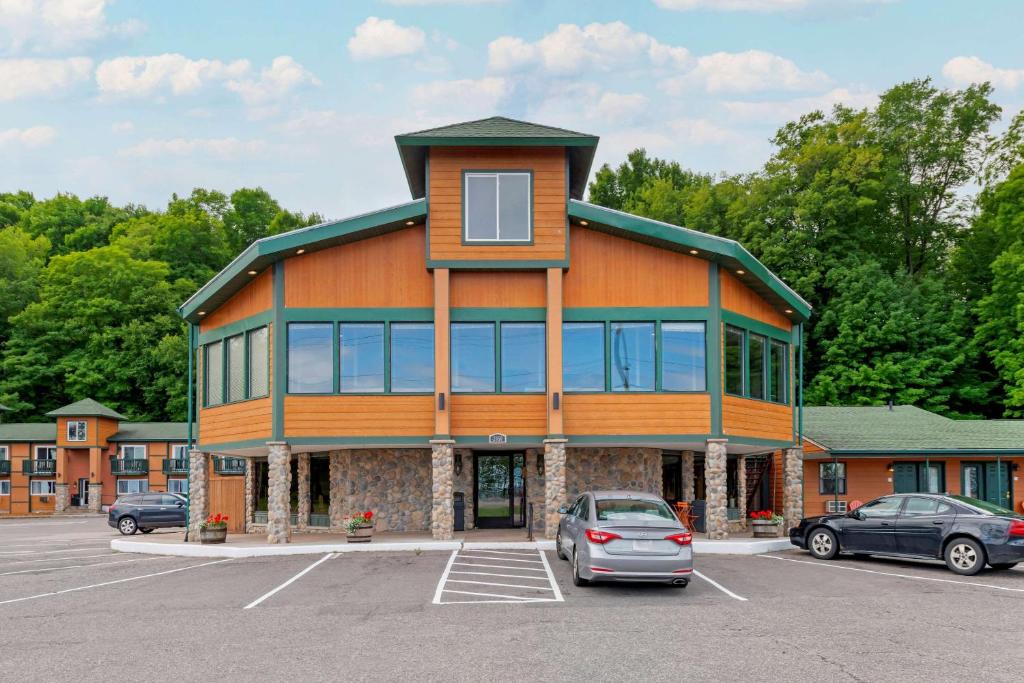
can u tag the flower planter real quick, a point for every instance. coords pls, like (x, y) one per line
(764, 528)
(213, 535)
(363, 534)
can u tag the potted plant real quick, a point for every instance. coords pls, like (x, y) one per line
(214, 529)
(359, 528)
(765, 523)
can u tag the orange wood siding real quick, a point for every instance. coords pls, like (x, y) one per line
(19, 482)
(255, 297)
(739, 298)
(512, 414)
(378, 272)
(157, 451)
(758, 419)
(589, 414)
(107, 428)
(358, 416)
(227, 496)
(235, 422)
(62, 432)
(549, 216)
(612, 271)
(498, 289)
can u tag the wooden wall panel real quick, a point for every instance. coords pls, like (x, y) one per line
(19, 482)
(599, 414)
(255, 297)
(227, 496)
(512, 414)
(392, 415)
(498, 289)
(388, 271)
(235, 422)
(739, 298)
(757, 419)
(549, 199)
(605, 270)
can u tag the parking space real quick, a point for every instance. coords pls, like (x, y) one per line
(497, 576)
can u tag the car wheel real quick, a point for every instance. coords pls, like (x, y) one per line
(127, 526)
(577, 580)
(965, 556)
(823, 544)
(1003, 565)
(146, 531)
(558, 546)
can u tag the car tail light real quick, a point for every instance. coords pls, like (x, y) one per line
(684, 538)
(1016, 527)
(602, 570)
(600, 537)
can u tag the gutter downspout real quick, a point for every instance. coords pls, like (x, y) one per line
(800, 417)
(189, 411)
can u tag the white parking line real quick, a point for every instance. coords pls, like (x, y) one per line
(501, 552)
(49, 552)
(290, 581)
(515, 598)
(488, 583)
(39, 570)
(447, 584)
(499, 559)
(901, 576)
(719, 586)
(53, 559)
(499, 566)
(507, 576)
(4, 525)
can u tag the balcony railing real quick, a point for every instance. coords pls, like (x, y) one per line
(35, 468)
(224, 465)
(175, 465)
(128, 465)
(5, 467)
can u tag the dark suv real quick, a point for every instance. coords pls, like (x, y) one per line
(147, 511)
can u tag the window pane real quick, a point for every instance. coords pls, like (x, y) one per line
(362, 356)
(522, 357)
(310, 366)
(779, 372)
(514, 206)
(412, 357)
(682, 361)
(481, 207)
(757, 369)
(632, 356)
(472, 357)
(583, 357)
(236, 368)
(214, 374)
(258, 365)
(734, 361)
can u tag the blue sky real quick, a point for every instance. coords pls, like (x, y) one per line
(137, 100)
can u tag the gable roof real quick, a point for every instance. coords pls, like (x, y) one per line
(906, 429)
(496, 131)
(86, 408)
(151, 431)
(28, 431)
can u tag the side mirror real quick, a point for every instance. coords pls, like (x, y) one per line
(181, 503)
(563, 510)
(856, 514)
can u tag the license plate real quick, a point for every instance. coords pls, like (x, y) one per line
(642, 546)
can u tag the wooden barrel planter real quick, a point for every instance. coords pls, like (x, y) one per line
(362, 534)
(218, 535)
(764, 528)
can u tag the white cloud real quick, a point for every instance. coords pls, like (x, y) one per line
(616, 107)
(381, 38)
(41, 25)
(283, 76)
(790, 110)
(145, 76)
(36, 136)
(466, 98)
(122, 127)
(764, 6)
(967, 70)
(750, 71)
(421, 3)
(229, 149)
(31, 77)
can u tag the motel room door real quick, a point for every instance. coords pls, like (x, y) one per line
(499, 490)
(987, 481)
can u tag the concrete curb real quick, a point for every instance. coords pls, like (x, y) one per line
(744, 547)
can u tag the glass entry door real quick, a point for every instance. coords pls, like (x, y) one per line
(500, 490)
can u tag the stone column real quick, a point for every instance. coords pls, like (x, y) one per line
(716, 517)
(62, 501)
(741, 488)
(198, 491)
(442, 513)
(652, 463)
(792, 487)
(95, 497)
(305, 502)
(464, 483)
(250, 493)
(554, 484)
(689, 492)
(279, 472)
(337, 493)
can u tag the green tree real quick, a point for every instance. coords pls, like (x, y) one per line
(249, 218)
(12, 205)
(71, 224)
(22, 257)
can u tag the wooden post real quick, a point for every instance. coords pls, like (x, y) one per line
(554, 352)
(442, 376)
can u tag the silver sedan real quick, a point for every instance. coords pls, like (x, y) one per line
(624, 536)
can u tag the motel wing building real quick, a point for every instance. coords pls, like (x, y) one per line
(492, 347)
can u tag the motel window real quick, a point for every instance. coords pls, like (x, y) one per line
(77, 430)
(523, 357)
(412, 357)
(179, 451)
(5, 487)
(682, 362)
(734, 361)
(472, 360)
(46, 452)
(133, 452)
(758, 367)
(780, 371)
(362, 357)
(310, 361)
(127, 486)
(258, 363)
(583, 356)
(632, 349)
(42, 487)
(213, 369)
(832, 478)
(4, 454)
(919, 477)
(503, 357)
(497, 207)
(177, 485)
(236, 368)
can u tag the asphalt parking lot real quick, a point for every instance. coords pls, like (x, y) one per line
(72, 609)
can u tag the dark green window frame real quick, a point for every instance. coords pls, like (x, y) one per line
(837, 477)
(767, 366)
(247, 394)
(919, 473)
(497, 355)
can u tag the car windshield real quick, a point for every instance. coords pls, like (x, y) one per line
(985, 506)
(631, 509)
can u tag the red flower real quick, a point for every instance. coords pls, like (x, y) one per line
(368, 515)
(224, 518)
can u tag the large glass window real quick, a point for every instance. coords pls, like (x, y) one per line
(472, 358)
(42, 487)
(77, 430)
(213, 371)
(522, 357)
(497, 207)
(758, 368)
(583, 356)
(133, 452)
(632, 356)
(412, 357)
(128, 486)
(832, 478)
(780, 372)
(362, 357)
(682, 360)
(236, 368)
(258, 363)
(310, 363)
(734, 361)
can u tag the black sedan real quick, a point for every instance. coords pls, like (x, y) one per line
(146, 511)
(966, 533)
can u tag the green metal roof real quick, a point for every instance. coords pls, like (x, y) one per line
(152, 431)
(729, 253)
(906, 429)
(496, 131)
(28, 431)
(86, 408)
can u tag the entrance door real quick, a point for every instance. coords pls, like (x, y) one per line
(83, 492)
(500, 490)
(987, 481)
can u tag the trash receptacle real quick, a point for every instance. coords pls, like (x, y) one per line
(460, 511)
(699, 509)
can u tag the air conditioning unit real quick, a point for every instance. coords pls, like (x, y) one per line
(836, 506)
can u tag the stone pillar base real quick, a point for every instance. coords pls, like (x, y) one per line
(741, 489)
(793, 487)
(62, 500)
(198, 491)
(442, 509)
(95, 497)
(716, 515)
(689, 493)
(279, 474)
(305, 500)
(554, 484)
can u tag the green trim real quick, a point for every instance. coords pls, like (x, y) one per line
(713, 362)
(498, 265)
(511, 141)
(462, 208)
(511, 440)
(386, 440)
(680, 314)
(324, 315)
(280, 353)
(237, 327)
(228, 445)
(633, 438)
(755, 441)
(756, 326)
(889, 452)
(498, 315)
